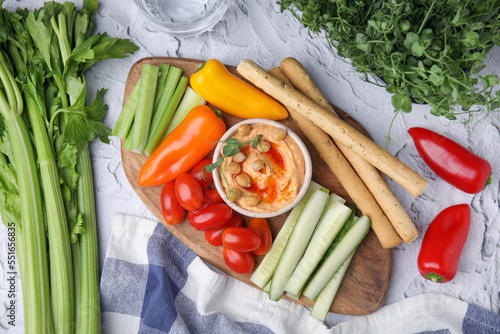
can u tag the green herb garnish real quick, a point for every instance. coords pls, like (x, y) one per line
(231, 148)
(424, 51)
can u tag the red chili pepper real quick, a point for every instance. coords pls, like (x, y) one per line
(190, 142)
(451, 161)
(443, 244)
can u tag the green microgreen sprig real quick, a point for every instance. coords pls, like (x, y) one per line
(424, 51)
(231, 148)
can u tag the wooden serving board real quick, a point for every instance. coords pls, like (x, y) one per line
(365, 285)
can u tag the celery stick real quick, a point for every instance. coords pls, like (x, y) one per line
(325, 299)
(163, 122)
(190, 100)
(162, 80)
(264, 272)
(166, 93)
(143, 115)
(126, 118)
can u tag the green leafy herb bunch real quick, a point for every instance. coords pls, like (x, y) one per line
(425, 51)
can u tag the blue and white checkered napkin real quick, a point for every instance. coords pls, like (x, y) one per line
(152, 283)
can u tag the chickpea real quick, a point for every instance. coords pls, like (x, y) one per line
(233, 168)
(264, 146)
(222, 148)
(258, 165)
(239, 157)
(243, 180)
(279, 134)
(252, 200)
(243, 129)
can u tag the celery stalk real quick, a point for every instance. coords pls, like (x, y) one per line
(138, 138)
(61, 267)
(190, 100)
(167, 114)
(63, 41)
(34, 263)
(88, 300)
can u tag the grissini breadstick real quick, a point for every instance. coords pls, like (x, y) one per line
(345, 174)
(302, 81)
(335, 127)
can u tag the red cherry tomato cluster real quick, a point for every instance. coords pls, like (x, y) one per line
(242, 243)
(189, 193)
(207, 212)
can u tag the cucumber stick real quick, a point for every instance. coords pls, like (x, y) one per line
(337, 257)
(262, 275)
(297, 242)
(325, 299)
(334, 198)
(332, 221)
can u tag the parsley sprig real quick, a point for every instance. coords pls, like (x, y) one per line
(231, 148)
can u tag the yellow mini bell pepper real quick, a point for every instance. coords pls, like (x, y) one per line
(233, 95)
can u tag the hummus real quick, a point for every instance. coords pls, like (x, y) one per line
(267, 177)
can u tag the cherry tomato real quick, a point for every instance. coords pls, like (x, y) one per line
(172, 211)
(205, 179)
(239, 262)
(240, 239)
(188, 192)
(211, 217)
(214, 237)
(261, 227)
(210, 196)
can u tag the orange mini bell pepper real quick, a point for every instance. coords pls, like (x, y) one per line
(184, 147)
(233, 95)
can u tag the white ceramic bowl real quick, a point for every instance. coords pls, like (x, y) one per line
(305, 184)
(183, 17)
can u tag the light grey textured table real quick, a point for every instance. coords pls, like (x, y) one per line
(256, 30)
